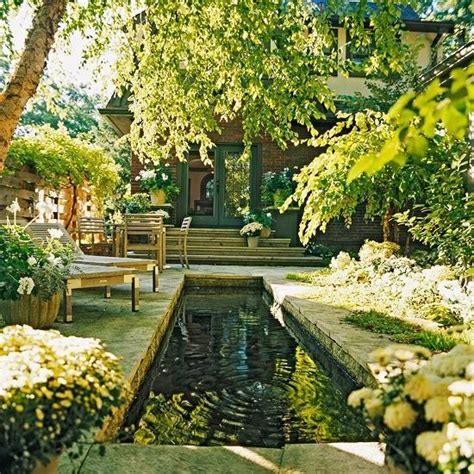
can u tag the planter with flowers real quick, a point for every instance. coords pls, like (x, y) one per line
(264, 218)
(32, 277)
(423, 408)
(53, 391)
(158, 181)
(252, 232)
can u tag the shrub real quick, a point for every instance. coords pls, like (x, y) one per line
(264, 218)
(137, 203)
(278, 186)
(53, 390)
(422, 410)
(159, 177)
(26, 268)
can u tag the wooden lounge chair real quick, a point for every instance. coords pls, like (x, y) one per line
(94, 276)
(39, 232)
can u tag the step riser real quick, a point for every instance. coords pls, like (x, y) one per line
(236, 244)
(239, 251)
(261, 260)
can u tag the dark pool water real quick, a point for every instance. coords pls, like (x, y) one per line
(232, 374)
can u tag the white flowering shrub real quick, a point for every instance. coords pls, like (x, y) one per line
(422, 409)
(53, 391)
(159, 177)
(397, 285)
(28, 268)
(340, 262)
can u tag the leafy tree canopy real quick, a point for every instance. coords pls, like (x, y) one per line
(62, 160)
(193, 66)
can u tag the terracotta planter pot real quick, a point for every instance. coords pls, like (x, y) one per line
(252, 242)
(158, 197)
(31, 310)
(265, 232)
(50, 468)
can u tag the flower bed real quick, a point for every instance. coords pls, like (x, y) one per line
(433, 298)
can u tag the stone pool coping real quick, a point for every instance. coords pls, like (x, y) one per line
(349, 345)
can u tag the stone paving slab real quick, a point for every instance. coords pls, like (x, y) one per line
(333, 458)
(132, 458)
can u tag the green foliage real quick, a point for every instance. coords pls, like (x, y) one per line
(209, 62)
(65, 161)
(21, 258)
(260, 216)
(277, 186)
(137, 203)
(444, 220)
(402, 331)
(416, 117)
(68, 105)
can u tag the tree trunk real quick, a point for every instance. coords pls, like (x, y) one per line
(386, 225)
(29, 70)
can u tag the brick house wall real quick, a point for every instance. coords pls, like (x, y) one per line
(274, 159)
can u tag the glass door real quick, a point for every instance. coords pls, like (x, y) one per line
(234, 185)
(200, 185)
(220, 192)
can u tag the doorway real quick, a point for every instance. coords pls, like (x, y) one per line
(218, 193)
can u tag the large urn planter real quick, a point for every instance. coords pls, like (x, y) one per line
(158, 197)
(31, 310)
(252, 242)
(265, 233)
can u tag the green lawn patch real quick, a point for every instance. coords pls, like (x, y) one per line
(402, 331)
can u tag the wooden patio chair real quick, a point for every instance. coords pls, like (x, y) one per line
(39, 232)
(95, 276)
(93, 227)
(145, 233)
(183, 241)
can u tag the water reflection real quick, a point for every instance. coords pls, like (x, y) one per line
(232, 374)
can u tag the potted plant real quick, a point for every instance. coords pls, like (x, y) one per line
(32, 277)
(264, 218)
(422, 409)
(252, 232)
(53, 391)
(159, 183)
(278, 186)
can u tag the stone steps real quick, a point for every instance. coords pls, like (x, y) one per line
(217, 241)
(226, 259)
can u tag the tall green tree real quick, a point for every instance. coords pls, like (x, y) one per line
(193, 65)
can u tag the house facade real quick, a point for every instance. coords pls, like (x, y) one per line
(214, 194)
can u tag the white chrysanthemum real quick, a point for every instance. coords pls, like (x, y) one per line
(374, 407)
(429, 445)
(25, 286)
(32, 261)
(438, 410)
(420, 386)
(462, 387)
(358, 396)
(342, 261)
(399, 415)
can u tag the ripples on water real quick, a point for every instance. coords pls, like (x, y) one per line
(231, 374)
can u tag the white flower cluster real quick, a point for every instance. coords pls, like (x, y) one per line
(398, 284)
(145, 174)
(25, 286)
(437, 392)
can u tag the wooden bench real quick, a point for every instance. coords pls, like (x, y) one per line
(94, 276)
(39, 232)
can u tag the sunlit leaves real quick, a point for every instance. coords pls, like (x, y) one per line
(416, 118)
